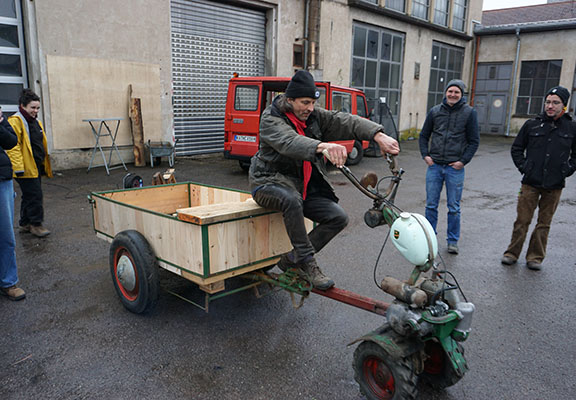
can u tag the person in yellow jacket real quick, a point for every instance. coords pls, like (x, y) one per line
(30, 161)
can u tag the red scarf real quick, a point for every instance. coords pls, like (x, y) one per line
(306, 165)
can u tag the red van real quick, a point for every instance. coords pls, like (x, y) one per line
(249, 96)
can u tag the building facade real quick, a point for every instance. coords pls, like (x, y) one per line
(522, 52)
(82, 57)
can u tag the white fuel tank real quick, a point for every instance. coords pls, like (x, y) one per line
(413, 236)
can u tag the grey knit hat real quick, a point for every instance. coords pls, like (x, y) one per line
(302, 85)
(458, 83)
(561, 92)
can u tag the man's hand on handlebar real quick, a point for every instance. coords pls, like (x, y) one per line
(336, 153)
(388, 145)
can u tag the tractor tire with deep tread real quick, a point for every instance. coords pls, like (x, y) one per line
(438, 371)
(382, 378)
(356, 155)
(134, 271)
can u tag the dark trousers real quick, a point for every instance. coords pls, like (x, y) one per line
(31, 207)
(325, 211)
(528, 199)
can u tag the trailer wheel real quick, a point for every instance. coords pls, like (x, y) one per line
(438, 371)
(134, 271)
(356, 155)
(382, 378)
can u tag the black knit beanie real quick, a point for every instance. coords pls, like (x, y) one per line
(561, 92)
(302, 85)
(458, 83)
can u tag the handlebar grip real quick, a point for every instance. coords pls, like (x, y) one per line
(327, 155)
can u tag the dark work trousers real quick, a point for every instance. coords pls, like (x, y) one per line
(529, 198)
(31, 208)
(331, 218)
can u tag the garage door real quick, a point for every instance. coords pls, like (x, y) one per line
(210, 41)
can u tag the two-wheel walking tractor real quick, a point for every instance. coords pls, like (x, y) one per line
(209, 235)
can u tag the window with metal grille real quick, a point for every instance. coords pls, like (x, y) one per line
(398, 5)
(13, 76)
(420, 8)
(536, 77)
(446, 65)
(377, 59)
(459, 15)
(441, 10)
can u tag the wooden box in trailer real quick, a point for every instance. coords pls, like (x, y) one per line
(203, 233)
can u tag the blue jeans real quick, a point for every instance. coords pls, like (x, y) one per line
(436, 176)
(8, 272)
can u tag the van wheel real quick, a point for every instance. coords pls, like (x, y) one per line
(245, 165)
(356, 155)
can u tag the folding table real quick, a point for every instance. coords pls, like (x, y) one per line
(103, 131)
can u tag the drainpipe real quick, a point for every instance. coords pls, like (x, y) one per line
(513, 81)
(475, 51)
(306, 33)
(313, 34)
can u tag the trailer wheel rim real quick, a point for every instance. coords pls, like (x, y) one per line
(379, 377)
(126, 274)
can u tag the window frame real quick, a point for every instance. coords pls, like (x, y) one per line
(537, 85)
(10, 106)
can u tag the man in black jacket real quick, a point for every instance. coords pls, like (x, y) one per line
(8, 270)
(448, 141)
(545, 154)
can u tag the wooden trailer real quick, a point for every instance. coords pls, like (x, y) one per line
(203, 233)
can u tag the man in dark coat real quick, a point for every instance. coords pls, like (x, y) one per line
(288, 172)
(545, 154)
(448, 141)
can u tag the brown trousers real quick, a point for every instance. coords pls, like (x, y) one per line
(528, 199)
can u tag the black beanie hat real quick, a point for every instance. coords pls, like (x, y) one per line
(561, 92)
(302, 85)
(458, 83)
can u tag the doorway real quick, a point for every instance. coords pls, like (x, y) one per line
(492, 96)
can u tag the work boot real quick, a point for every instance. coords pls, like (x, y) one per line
(39, 231)
(452, 248)
(14, 293)
(285, 263)
(508, 260)
(534, 265)
(24, 229)
(310, 271)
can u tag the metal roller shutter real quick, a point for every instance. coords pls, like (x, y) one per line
(210, 41)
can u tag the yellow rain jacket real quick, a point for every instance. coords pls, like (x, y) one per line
(21, 154)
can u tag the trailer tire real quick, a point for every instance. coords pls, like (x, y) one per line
(381, 377)
(356, 155)
(134, 271)
(438, 371)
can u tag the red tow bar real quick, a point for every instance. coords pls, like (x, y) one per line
(355, 300)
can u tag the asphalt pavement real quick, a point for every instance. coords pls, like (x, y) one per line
(72, 338)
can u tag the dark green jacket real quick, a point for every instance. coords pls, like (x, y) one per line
(282, 149)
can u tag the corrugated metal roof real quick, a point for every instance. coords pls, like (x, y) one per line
(519, 15)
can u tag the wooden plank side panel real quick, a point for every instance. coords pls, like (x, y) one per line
(241, 242)
(176, 242)
(161, 199)
(204, 195)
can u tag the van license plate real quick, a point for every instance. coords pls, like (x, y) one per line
(244, 138)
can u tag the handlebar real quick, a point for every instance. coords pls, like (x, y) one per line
(374, 194)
